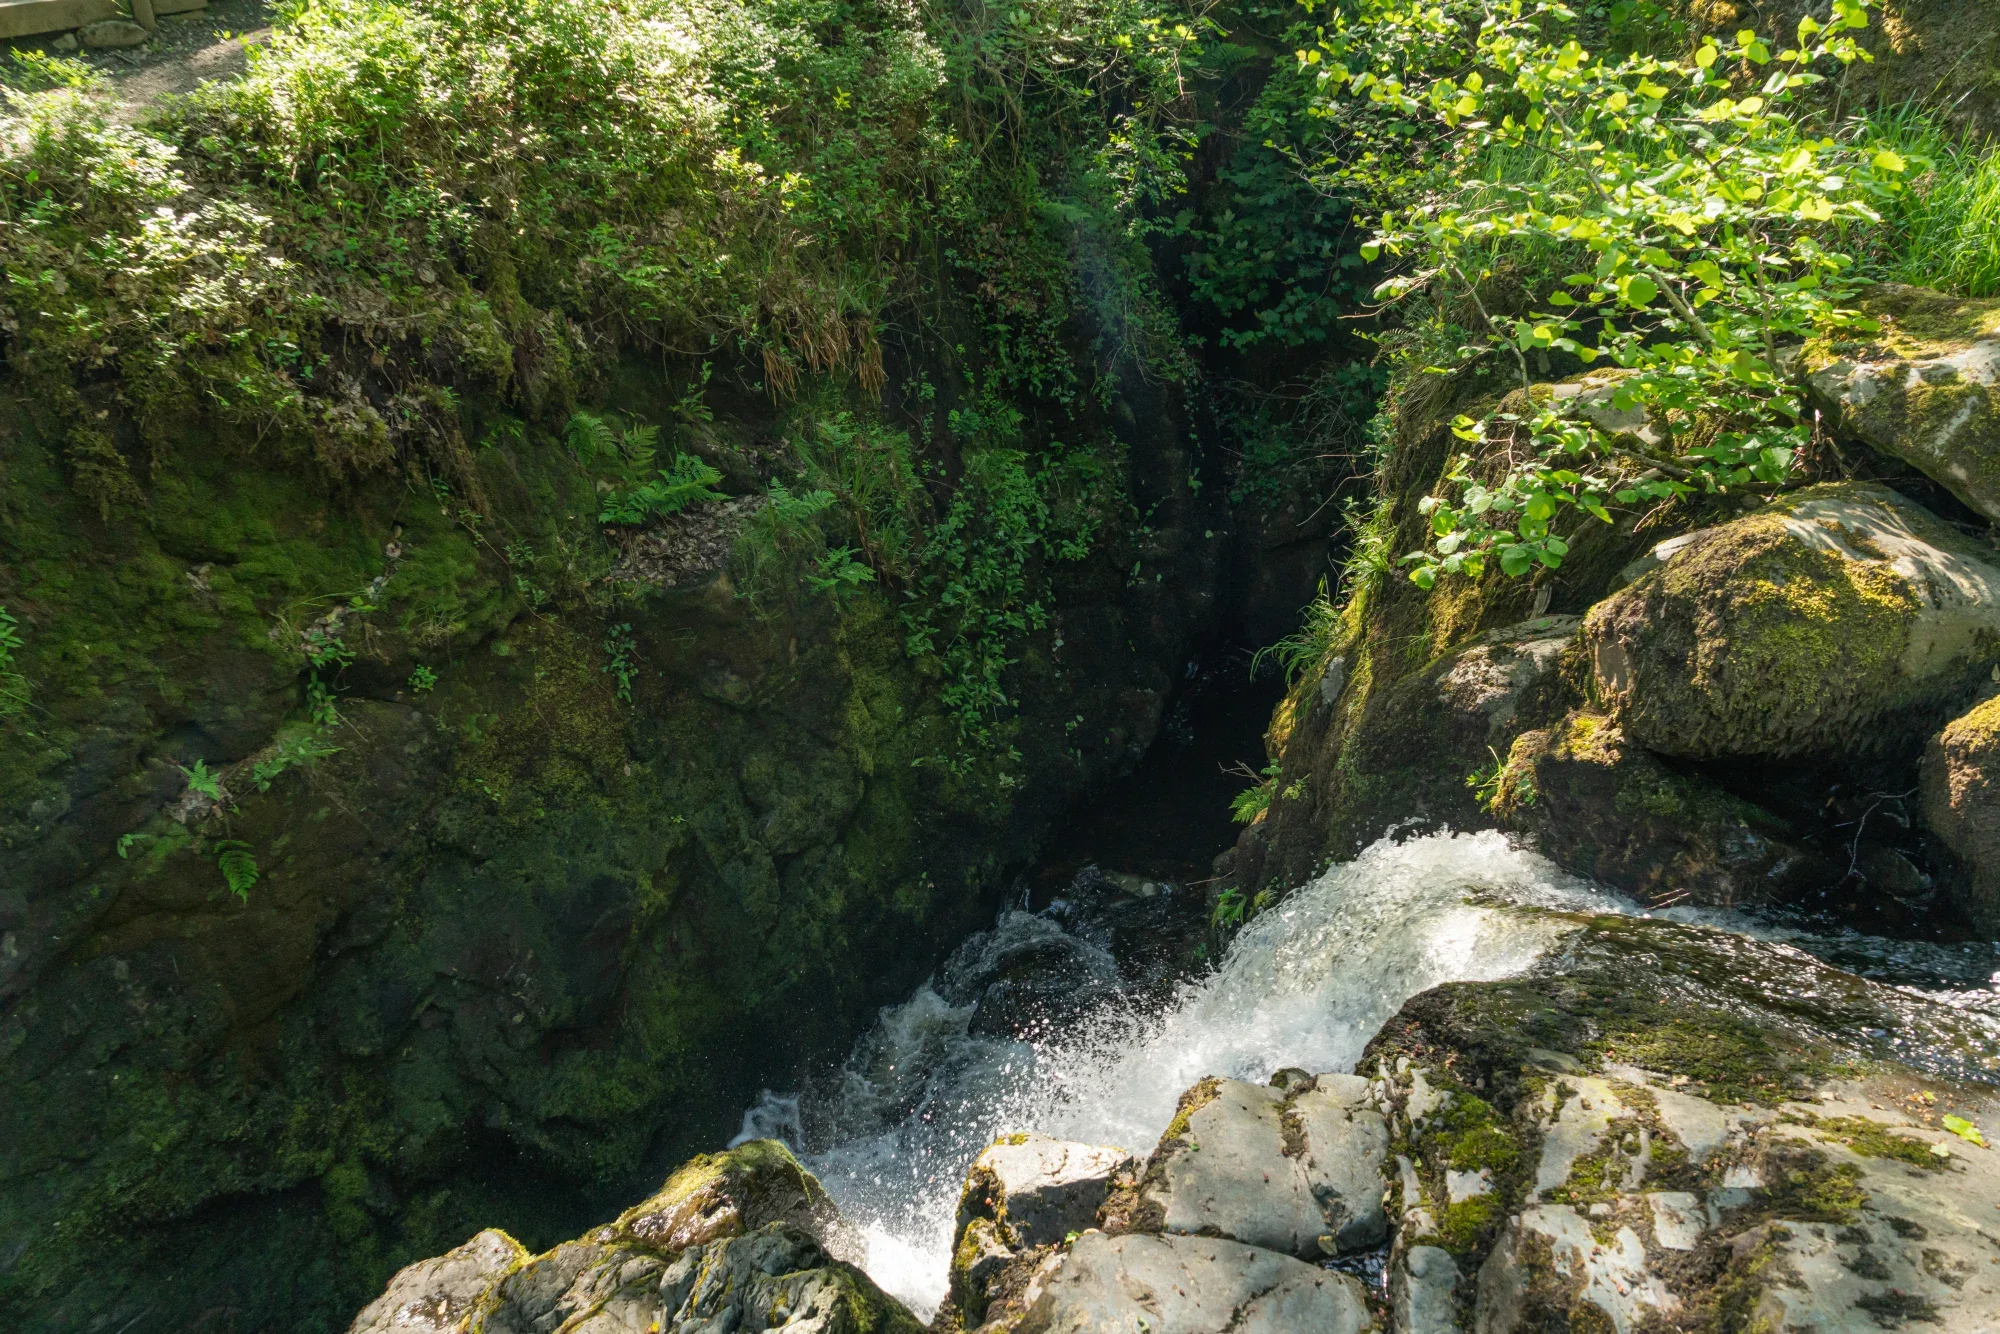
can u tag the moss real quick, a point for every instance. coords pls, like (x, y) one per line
(1725, 1058)
(1814, 641)
(1204, 1092)
(1800, 1184)
(1872, 1139)
(1896, 1307)
(1470, 1135)
(1463, 1228)
(1919, 322)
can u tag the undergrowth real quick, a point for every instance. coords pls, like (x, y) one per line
(406, 208)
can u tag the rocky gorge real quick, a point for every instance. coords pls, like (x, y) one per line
(578, 590)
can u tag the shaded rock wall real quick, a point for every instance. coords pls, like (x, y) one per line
(514, 938)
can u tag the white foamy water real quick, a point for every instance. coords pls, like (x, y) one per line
(1305, 984)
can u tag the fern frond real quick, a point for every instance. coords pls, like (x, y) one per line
(239, 870)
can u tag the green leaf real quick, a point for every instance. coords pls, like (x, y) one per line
(1639, 291)
(1965, 1130)
(1889, 160)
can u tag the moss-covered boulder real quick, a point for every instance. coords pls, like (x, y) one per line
(754, 1258)
(1961, 805)
(1675, 1128)
(1616, 812)
(1926, 390)
(1819, 625)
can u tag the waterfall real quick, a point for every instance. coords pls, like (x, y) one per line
(1305, 984)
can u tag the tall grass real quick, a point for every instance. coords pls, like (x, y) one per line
(1944, 231)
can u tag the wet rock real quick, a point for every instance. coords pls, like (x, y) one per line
(1816, 626)
(1927, 391)
(1038, 1189)
(1606, 808)
(1424, 1292)
(720, 1247)
(1188, 1285)
(1673, 1134)
(1961, 805)
(979, 1256)
(1027, 976)
(1296, 1170)
(437, 1294)
(1551, 1254)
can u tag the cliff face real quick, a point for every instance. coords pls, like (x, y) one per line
(379, 868)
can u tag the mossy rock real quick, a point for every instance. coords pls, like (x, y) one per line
(1925, 391)
(1823, 625)
(727, 1194)
(1961, 805)
(1605, 808)
(1676, 1123)
(737, 1239)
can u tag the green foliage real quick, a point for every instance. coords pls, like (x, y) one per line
(1309, 645)
(1275, 257)
(1228, 911)
(621, 652)
(202, 780)
(518, 187)
(423, 679)
(238, 867)
(838, 572)
(1251, 802)
(980, 578)
(298, 748)
(13, 685)
(1699, 200)
(1944, 231)
(1491, 782)
(688, 482)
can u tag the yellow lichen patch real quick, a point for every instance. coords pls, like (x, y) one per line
(1919, 323)
(1978, 728)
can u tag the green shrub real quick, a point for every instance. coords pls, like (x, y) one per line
(1700, 201)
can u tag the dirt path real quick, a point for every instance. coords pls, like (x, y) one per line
(186, 51)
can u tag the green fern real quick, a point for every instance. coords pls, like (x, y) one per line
(688, 482)
(238, 867)
(590, 437)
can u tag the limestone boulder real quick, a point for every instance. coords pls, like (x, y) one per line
(1608, 809)
(1039, 1189)
(1961, 805)
(1024, 1194)
(1819, 626)
(1926, 391)
(1189, 1285)
(727, 1194)
(736, 1240)
(1296, 1170)
(1672, 1122)
(438, 1294)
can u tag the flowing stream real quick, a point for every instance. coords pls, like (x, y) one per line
(1028, 1026)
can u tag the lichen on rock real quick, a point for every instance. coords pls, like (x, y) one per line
(1961, 805)
(1926, 392)
(1812, 627)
